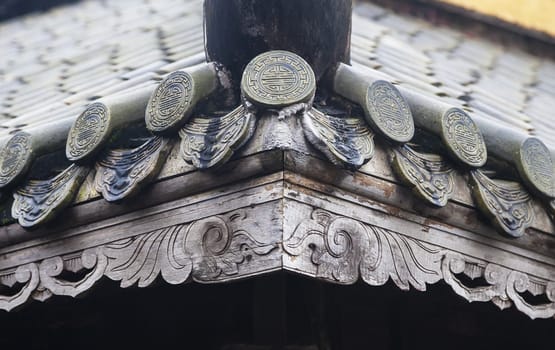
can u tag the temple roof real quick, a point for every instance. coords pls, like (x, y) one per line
(65, 58)
(55, 63)
(426, 141)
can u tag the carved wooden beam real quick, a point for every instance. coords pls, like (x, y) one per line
(279, 222)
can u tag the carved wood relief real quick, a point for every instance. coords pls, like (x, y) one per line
(342, 250)
(235, 245)
(214, 249)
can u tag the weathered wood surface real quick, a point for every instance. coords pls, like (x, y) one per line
(187, 184)
(238, 30)
(276, 222)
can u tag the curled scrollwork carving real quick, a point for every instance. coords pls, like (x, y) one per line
(214, 249)
(122, 173)
(207, 250)
(218, 251)
(51, 269)
(344, 141)
(430, 176)
(494, 275)
(507, 203)
(341, 250)
(208, 142)
(27, 274)
(141, 259)
(39, 201)
(326, 246)
(519, 282)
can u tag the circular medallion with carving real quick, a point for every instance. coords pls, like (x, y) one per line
(536, 166)
(14, 158)
(170, 104)
(278, 79)
(388, 112)
(87, 132)
(463, 138)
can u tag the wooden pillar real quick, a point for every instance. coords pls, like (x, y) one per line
(238, 30)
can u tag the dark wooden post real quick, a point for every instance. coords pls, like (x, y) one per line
(317, 30)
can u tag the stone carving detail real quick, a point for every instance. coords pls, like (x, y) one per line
(122, 173)
(87, 130)
(507, 203)
(39, 201)
(207, 142)
(430, 176)
(14, 158)
(388, 111)
(278, 79)
(341, 250)
(345, 141)
(537, 165)
(463, 138)
(170, 101)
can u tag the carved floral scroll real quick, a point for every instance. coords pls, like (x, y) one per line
(342, 250)
(325, 246)
(215, 249)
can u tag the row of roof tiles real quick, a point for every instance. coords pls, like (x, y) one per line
(134, 55)
(55, 63)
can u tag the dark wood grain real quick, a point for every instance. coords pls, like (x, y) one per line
(317, 30)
